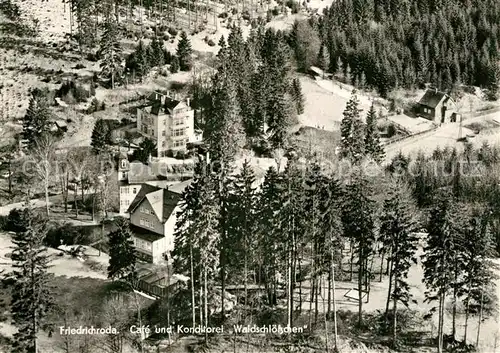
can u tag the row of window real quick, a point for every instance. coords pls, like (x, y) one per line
(145, 210)
(124, 202)
(126, 190)
(142, 244)
(146, 223)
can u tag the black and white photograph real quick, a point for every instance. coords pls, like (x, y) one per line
(249, 176)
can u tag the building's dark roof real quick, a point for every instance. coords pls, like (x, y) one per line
(170, 200)
(145, 234)
(171, 103)
(145, 189)
(156, 108)
(432, 98)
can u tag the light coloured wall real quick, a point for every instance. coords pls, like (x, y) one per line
(126, 196)
(169, 229)
(159, 248)
(137, 216)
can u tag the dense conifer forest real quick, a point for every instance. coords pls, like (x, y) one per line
(402, 43)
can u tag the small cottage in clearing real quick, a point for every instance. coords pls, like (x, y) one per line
(437, 106)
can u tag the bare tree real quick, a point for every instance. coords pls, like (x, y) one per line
(42, 156)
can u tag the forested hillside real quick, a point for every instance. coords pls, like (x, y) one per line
(403, 43)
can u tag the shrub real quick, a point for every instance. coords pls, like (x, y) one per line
(172, 31)
(95, 106)
(180, 155)
(391, 130)
(14, 221)
(174, 66)
(275, 11)
(70, 91)
(293, 5)
(211, 43)
(223, 15)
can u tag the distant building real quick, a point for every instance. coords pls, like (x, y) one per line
(131, 177)
(152, 221)
(169, 122)
(437, 106)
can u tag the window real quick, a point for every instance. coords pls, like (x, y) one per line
(180, 143)
(144, 210)
(163, 143)
(124, 164)
(124, 175)
(134, 190)
(178, 121)
(178, 132)
(163, 133)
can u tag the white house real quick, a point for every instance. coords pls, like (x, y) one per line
(169, 122)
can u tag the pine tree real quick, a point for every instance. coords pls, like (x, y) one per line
(243, 209)
(205, 224)
(174, 65)
(224, 127)
(101, 136)
(142, 65)
(36, 120)
(279, 118)
(373, 147)
(439, 257)
(322, 59)
(147, 148)
(184, 52)
(398, 224)
(186, 253)
(110, 53)
(358, 221)
(158, 58)
(297, 95)
(476, 254)
(31, 297)
(351, 131)
(122, 257)
(269, 225)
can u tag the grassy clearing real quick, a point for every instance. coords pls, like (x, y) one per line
(309, 140)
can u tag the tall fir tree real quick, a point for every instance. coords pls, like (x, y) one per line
(101, 136)
(158, 57)
(31, 293)
(358, 220)
(351, 131)
(184, 52)
(224, 127)
(110, 53)
(36, 120)
(242, 219)
(142, 64)
(298, 96)
(399, 223)
(438, 259)
(373, 147)
(122, 256)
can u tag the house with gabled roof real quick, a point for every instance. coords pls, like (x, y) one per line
(168, 120)
(437, 106)
(153, 214)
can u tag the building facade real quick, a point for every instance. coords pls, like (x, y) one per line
(169, 122)
(437, 106)
(152, 221)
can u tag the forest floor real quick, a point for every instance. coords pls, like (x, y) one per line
(490, 327)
